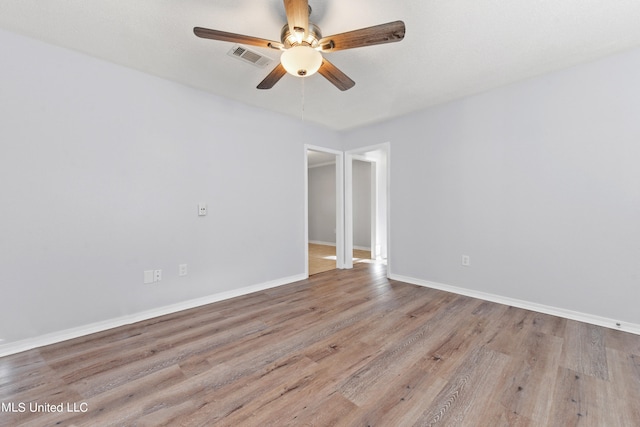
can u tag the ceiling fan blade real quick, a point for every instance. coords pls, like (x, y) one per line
(273, 77)
(335, 76)
(378, 34)
(297, 16)
(207, 33)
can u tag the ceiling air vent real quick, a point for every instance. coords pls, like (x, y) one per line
(249, 56)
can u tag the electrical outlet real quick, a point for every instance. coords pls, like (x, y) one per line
(466, 261)
(202, 209)
(182, 270)
(157, 275)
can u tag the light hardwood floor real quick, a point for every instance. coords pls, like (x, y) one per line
(346, 348)
(323, 257)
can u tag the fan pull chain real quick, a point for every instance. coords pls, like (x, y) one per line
(302, 100)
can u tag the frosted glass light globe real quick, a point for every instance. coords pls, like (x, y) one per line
(301, 61)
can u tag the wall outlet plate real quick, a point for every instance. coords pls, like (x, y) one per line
(202, 209)
(182, 270)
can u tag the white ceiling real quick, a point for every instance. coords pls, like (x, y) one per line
(452, 48)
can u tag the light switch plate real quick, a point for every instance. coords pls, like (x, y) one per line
(148, 277)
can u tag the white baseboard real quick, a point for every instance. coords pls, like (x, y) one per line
(540, 308)
(55, 337)
(319, 242)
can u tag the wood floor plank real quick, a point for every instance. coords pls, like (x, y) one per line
(514, 325)
(585, 350)
(527, 379)
(321, 415)
(624, 372)
(622, 341)
(125, 404)
(408, 348)
(343, 348)
(399, 404)
(584, 400)
(462, 400)
(277, 405)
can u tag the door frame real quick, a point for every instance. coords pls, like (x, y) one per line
(340, 213)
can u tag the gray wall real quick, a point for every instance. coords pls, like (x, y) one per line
(362, 204)
(322, 204)
(101, 171)
(538, 182)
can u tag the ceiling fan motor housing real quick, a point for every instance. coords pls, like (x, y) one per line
(290, 39)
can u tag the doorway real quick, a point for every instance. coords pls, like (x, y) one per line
(378, 158)
(324, 209)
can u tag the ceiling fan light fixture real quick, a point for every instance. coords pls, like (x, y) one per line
(301, 61)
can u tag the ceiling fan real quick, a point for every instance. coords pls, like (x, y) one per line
(302, 45)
